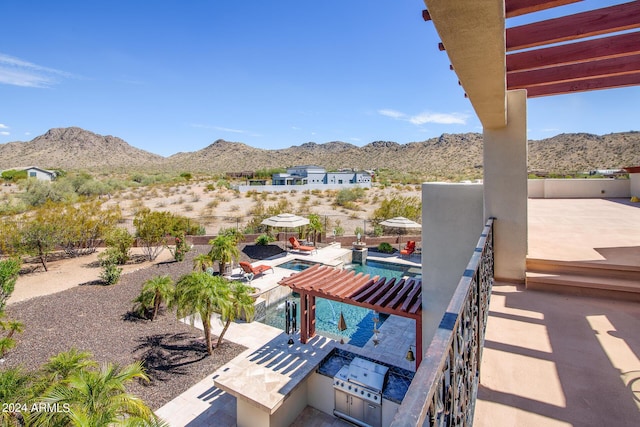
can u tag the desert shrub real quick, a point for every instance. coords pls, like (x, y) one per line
(347, 197)
(110, 273)
(186, 176)
(9, 269)
(357, 231)
(264, 239)
(408, 207)
(119, 241)
(385, 247)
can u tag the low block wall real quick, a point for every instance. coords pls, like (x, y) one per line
(578, 188)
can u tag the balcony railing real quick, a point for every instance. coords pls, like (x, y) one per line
(444, 390)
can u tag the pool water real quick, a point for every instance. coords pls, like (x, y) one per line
(297, 264)
(386, 269)
(359, 320)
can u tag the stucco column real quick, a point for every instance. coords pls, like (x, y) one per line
(505, 188)
(451, 225)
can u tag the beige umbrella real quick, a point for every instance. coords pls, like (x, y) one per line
(400, 222)
(286, 220)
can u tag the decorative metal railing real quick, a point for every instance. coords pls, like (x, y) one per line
(444, 389)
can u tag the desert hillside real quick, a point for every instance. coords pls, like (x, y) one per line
(445, 156)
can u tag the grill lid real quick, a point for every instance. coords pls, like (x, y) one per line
(367, 374)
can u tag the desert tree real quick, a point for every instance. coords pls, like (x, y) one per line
(152, 228)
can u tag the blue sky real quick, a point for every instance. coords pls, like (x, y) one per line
(174, 76)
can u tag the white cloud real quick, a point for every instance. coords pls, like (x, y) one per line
(3, 126)
(5, 133)
(427, 117)
(392, 113)
(439, 118)
(16, 72)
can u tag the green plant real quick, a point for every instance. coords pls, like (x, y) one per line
(199, 293)
(9, 269)
(385, 247)
(119, 242)
(110, 273)
(224, 249)
(154, 292)
(264, 239)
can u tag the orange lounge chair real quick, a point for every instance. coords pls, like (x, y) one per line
(409, 248)
(298, 247)
(258, 269)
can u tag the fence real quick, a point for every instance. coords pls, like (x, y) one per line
(444, 389)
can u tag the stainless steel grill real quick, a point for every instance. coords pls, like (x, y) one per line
(358, 392)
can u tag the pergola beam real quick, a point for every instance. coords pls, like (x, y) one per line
(589, 50)
(574, 72)
(584, 85)
(522, 7)
(586, 24)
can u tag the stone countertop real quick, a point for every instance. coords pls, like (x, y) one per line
(266, 376)
(396, 385)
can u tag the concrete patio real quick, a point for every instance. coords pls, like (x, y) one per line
(558, 360)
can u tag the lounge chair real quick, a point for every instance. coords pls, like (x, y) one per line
(298, 247)
(409, 248)
(258, 269)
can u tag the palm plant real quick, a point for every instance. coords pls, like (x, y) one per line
(315, 226)
(224, 250)
(97, 397)
(201, 262)
(14, 388)
(154, 292)
(11, 326)
(242, 306)
(62, 365)
(199, 293)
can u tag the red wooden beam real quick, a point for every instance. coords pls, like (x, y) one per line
(586, 24)
(584, 85)
(574, 72)
(425, 15)
(522, 7)
(601, 48)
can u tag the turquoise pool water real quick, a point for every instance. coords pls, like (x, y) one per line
(359, 320)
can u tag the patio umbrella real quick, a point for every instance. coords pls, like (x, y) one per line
(285, 220)
(400, 222)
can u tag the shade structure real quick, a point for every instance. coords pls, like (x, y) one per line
(286, 220)
(400, 222)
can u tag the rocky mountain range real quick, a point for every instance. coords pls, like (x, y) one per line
(450, 154)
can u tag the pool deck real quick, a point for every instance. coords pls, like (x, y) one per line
(269, 370)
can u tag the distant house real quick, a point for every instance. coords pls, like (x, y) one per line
(41, 174)
(311, 174)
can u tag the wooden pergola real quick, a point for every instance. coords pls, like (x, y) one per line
(591, 50)
(402, 297)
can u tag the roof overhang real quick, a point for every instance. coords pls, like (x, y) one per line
(590, 50)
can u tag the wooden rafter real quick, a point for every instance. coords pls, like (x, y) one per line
(589, 50)
(522, 7)
(574, 72)
(586, 24)
(585, 85)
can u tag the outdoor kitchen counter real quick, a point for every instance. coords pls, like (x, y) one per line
(266, 378)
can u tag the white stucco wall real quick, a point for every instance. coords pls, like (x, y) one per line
(452, 220)
(505, 188)
(550, 188)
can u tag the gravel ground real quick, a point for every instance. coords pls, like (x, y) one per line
(97, 319)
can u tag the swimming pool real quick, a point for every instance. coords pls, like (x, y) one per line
(359, 320)
(298, 264)
(386, 269)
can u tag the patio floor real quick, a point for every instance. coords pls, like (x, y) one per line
(559, 360)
